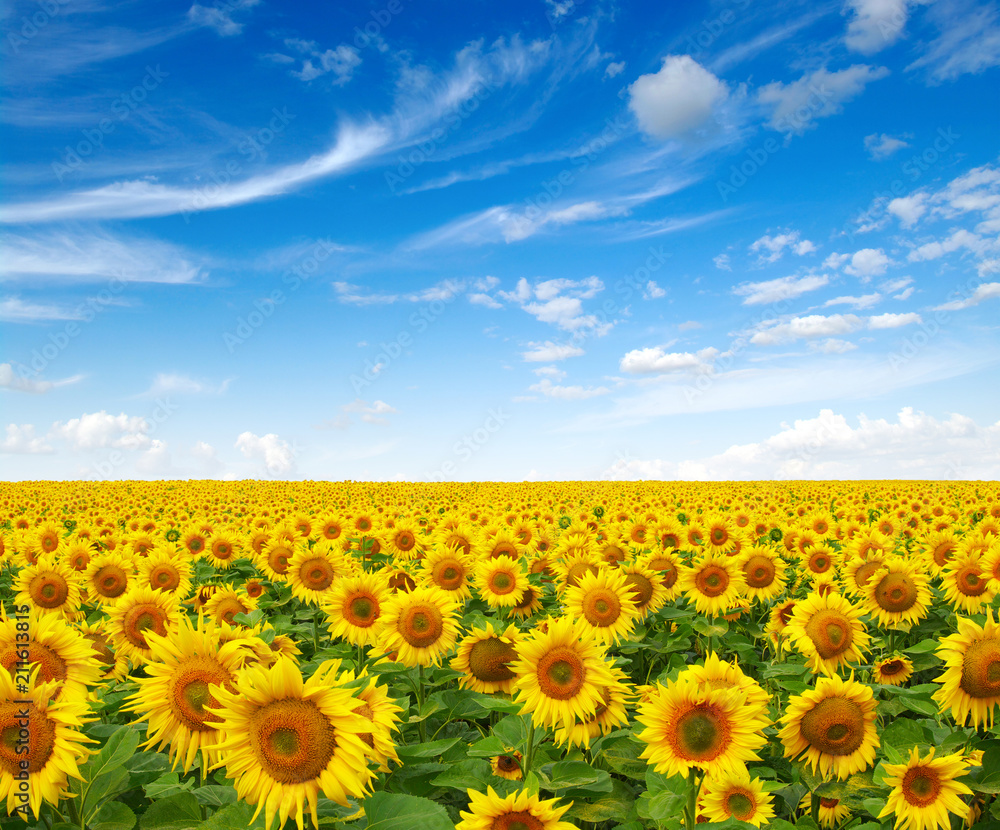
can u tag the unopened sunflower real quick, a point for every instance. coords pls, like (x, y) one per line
(924, 791)
(484, 657)
(518, 810)
(832, 726)
(690, 726)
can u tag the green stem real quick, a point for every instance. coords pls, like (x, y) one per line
(892, 641)
(530, 748)
(316, 632)
(691, 811)
(361, 659)
(421, 727)
(201, 783)
(814, 807)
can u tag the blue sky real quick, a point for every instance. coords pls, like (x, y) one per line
(527, 240)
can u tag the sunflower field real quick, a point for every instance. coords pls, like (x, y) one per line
(494, 656)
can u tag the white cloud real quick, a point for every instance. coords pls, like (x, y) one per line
(958, 239)
(559, 303)
(678, 99)
(21, 440)
(341, 62)
(276, 453)
(968, 40)
(813, 325)
(909, 209)
(220, 18)
(893, 321)
(985, 291)
(875, 25)
(722, 262)
(868, 262)
(484, 300)
(834, 261)
(915, 446)
(832, 346)
(795, 106)
(653, 291)
(371, 413)
(172, 383)
(11, 379)
(862, 302)
(548, 351)
(551, 372)
(16, 310)
(772, 248)
(567, 393)
(612, 70)
(351, 294)
(99, 429)
(658, 361)
(689, 325)
(882, 146)
(783, 288)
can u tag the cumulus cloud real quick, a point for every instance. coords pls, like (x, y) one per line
(567, 393)
(908, 209)
(915, 446)
(772, 248)
(862, 302)
(893, 321)
(867, 263)
(880, 147)
(548, 352)
(276, 453)
(658, 360)
(810, 326)
(20, 439)
(678, 99)
(796, 106)
(340, 63)
(783, 288)
(874, 24)
(985, 291)
(99, 429)
(559, 302)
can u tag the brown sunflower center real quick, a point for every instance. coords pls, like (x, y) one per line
(164, 578)
(864, 573)
(601, 607)
(507, 763)
(277, 558)
(222, 550)
(712, 581)
(561, 673)
(612, 554)
(740, 804)
(101, 647)
(668, 571)
(405, 540)
(820, 562)
(641, 589)
(502, 582)
(830, 632)
(981, 669)
(577, 570)
(191, 691)
(228, 608)
(759, 571)
(110, 581)
(896, 592)
(48, 589)
(921, 786)
(521, 820)
(27, 737)
(361, 610)
(421, 625)
(970, 582)
(143, 617)
(835, 726)
(892, 668)
(53, 667)
(701, 733)
(292, 740)
(317, 574)
(490, 659)
(448, 574)
(942, 552)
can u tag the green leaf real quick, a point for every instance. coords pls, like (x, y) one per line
(215, 795)
(465, 775)
(113, 816)
(874, 806)
(105, 772)
(614, 807)
(904, 732)
(513, 730)
(487, 748)
(390, 811)
(987, 784)
(178, 812)
(106, 786)
(431, 749)
(661, 806)
(923, 647)
(144, 767)
(167, 784)
(623, 757)
(566, 774)
(231, 817)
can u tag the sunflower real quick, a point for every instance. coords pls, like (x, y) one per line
(311, 571)
(690, 726)
(287, 740)
(165, 571)
(966, 584)
(518, 810)
(76, 554)
(561, 674)
(194, 540)
(827, 631)
(484, 657)
(736, 795)
(833, 725)
(938, 547)
(449, 569)
(831, 810)
(858, 570)
(453, 534)
(112, 666)
(182, 672)
(893, 671)
(764, 572)
(501, 581)
(274, 557)
(970, 685)
(141, 609)
(898, 592)
(49, 587)
(108, 577)
(714, 583)
(528, 605)
(222, 549)
(645, 588)
(354, 606)
(924, 791)
(991, 566)
(571, 568)
(405, 540)
(610, 714)
(419, 626)
(50, 750)
(718, 674)
(717, 533)
(226, 602)
(603, 604)
(374, 705)
(58, 649)
(507, 766)
(668, 565)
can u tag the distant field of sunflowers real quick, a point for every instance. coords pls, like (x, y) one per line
(499, 656)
